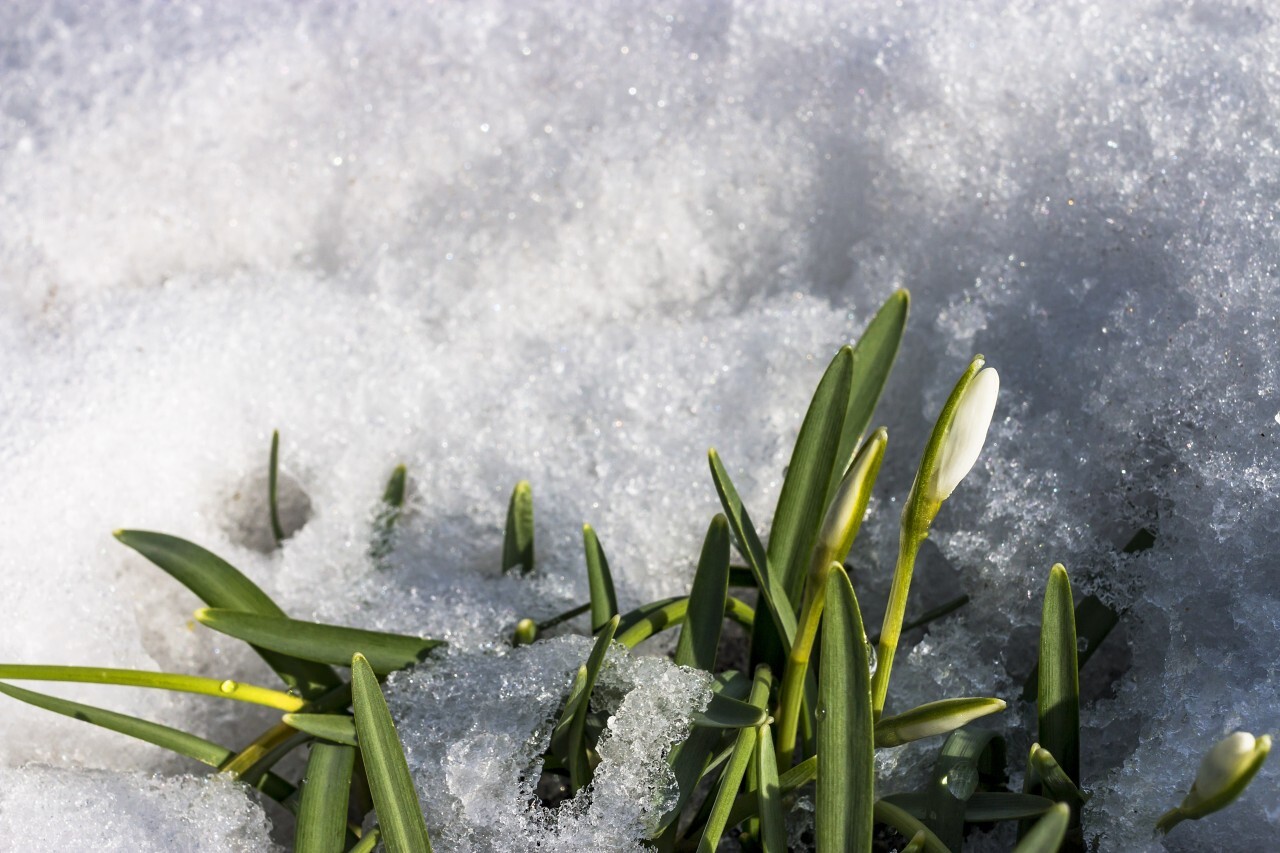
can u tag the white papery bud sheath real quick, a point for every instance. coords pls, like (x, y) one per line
(966, 435)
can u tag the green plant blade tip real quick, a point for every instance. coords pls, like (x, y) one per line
(394, 798)
(517, 542)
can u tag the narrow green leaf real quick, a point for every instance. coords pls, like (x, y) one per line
(744, 532)
(517, 544)
(723, 712)
(1053, 779)
(368, 842)
(1048, 833)
(322, 814)
(174, 740)
(935, 718)
(338, 728)
(802, 502)
(846, 733)
(223, 688)
(773, 825)
(1058, 696)
(568, 740)
(642, 623)
(802, 774)
(967, 759)
(604, 603)
(384, 523)
(394, 797)
(908, 826)
(982, 807)
(1094, 621)
(273, 472)
(314, 641)
(731, 779)
(873, 358)
(700, 636)
(219, 584)
(393, 495)
(916, 844)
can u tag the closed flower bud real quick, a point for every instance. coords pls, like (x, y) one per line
(966, 435)
(1224, 773)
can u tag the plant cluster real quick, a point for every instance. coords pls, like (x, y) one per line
(809, 712)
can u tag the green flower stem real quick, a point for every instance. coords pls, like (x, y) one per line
(908, 826)
(896, 610)
(225, 688)
(923, 503)
(791, 696)
(672, 614)
(266, 743)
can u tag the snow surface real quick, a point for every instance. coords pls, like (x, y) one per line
(580, 242)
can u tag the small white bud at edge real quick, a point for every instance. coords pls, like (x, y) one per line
(967, 434)
(1223, 763)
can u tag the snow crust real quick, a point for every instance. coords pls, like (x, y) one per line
(580, 242)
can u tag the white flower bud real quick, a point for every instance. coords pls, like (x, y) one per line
(966, 435)
(1225, 772)
(1220, 767)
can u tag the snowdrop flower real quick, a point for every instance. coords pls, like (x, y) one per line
(1224, 773)
(966, 435)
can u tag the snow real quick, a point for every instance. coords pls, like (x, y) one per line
(580, 242)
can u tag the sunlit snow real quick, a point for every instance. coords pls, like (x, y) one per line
(579, 243)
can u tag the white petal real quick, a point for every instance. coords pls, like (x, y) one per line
(968, 432)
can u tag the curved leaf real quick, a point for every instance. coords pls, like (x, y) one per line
(934, 718)
(604, 602)
(221, 585)
(1048, 833)
(700, 636)
(517, 542)
(315, 641)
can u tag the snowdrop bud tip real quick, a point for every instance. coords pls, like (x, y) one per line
(967, 434)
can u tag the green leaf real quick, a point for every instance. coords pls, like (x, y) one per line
(332, 644)
(223, 688)
(934, 718)
(1044, 768)
(394, 797)
(568, 739)
(388, 514)
(789, 782)
(1048, 833)
(219, 584)
(773, 825)
(846, 733)
(982, 807)
(802, 503)
(723, 712)
(338, 728)
(700, 636)
(322, 814)
(1094, 621)
(744, 532)
(873, 358)
(517, 544)
(731, 779)
(642, 623)
(967, 759)
(393, 495)
(908, 826)
(1058, 696)
(368, 842)
(174, 740)
(604, 603)
(917, 843)
(273, 471)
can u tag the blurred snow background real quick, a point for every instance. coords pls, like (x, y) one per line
(581, 242)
